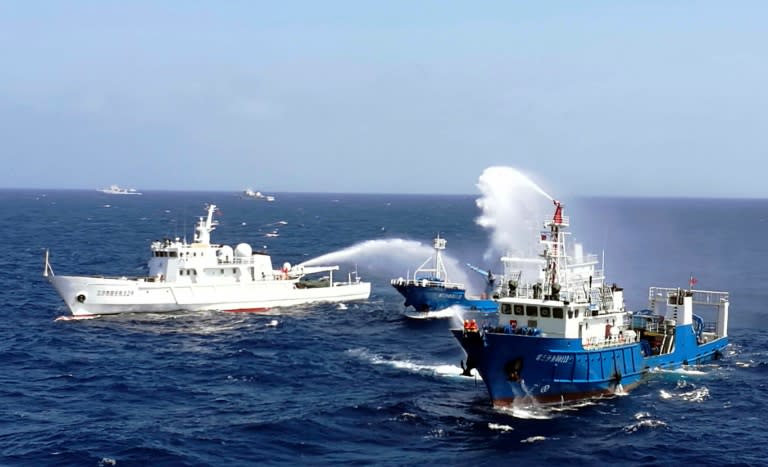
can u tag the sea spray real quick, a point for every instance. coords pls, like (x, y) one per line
(512, 208)
(394, 257)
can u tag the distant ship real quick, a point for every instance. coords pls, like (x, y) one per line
(116, 190)
(568, 336)
(250, 194)
(430, 293)
(201, 276)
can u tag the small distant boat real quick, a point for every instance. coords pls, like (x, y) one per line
(567, 336)
(429, 292)
(250, 194)
(116, 190)
(201, 276)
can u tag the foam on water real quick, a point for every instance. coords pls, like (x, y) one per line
(413, 367)
(533, 439)
(697, 394)
(528, 412)
(499, 427)
(449, 312)
(687, 371)
(644, 424)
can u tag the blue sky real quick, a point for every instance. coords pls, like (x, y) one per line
(627, 98)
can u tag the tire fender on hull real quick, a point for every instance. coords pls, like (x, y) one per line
(513, 368)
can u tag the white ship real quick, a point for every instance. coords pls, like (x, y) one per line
(250, 194)
(204, 276)
(116, 190)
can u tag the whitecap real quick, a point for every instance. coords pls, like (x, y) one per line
(533, 439)
(697, 395)
(642, 415)
(498, 427)
(645, 423)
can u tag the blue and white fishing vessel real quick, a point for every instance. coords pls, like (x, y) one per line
(431, 294)
(568, 335)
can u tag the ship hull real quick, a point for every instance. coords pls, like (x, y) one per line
(89, 296)
(432, 298)
(525, 369)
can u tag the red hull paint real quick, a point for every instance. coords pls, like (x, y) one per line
(557, 399)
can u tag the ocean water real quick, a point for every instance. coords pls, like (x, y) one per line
(359, 384)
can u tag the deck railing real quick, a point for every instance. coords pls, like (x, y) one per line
(426, 283)
(700, 297)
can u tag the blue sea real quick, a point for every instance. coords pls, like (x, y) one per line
(360, 384)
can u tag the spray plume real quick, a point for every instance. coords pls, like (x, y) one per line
(512, 208)
(393, 256)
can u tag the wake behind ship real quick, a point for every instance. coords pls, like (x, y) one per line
(568, 335)
(201, 276)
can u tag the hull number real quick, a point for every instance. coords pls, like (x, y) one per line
(113, 293)
(550, 358)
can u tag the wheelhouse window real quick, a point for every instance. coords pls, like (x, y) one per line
(557, 313)
(531, 310)
(545, 312)
(518, 310)
(506, 308)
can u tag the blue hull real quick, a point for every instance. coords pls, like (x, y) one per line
(431, 298)
(552, 370)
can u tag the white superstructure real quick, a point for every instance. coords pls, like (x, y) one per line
(204, 276)
(250, 194)
(116, 190)
(570, 298)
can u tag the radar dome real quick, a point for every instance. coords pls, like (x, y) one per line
(243, 250)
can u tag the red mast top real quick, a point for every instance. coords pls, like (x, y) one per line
(558, 217)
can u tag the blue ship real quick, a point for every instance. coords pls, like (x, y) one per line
(568, 336)
(430, 294)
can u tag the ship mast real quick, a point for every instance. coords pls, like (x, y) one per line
(554, 251)
(205, 227)
(439, 246)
